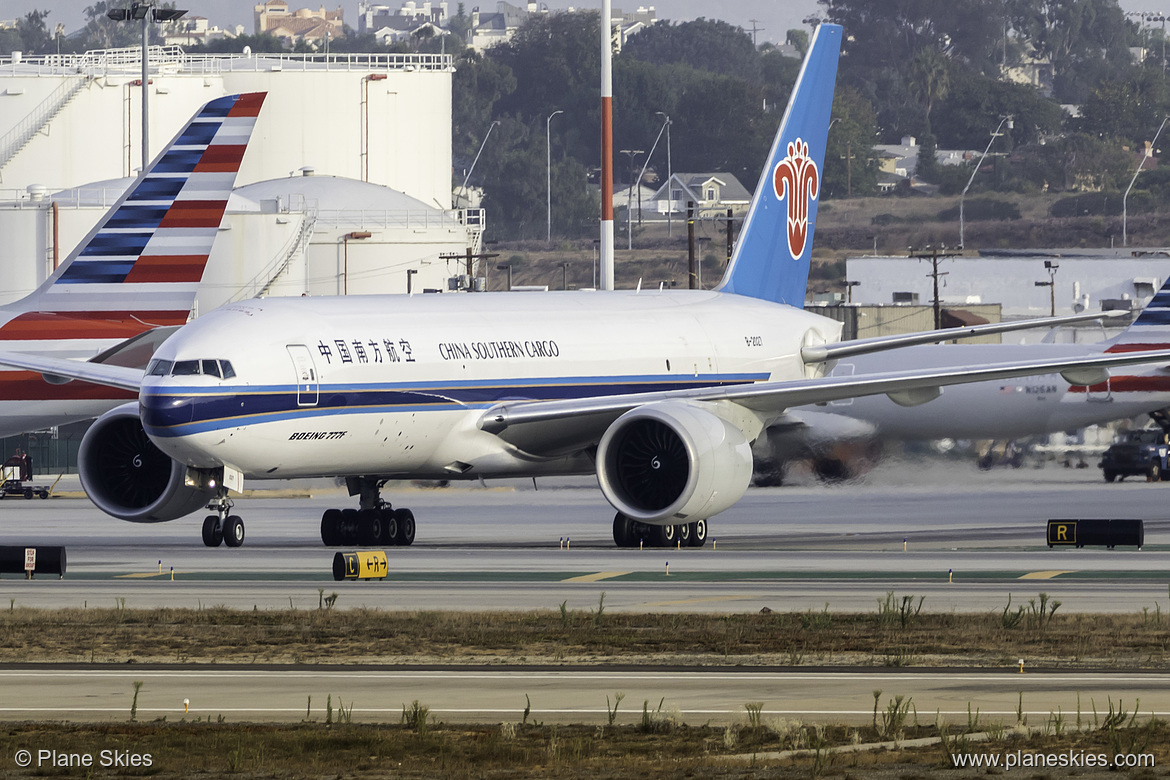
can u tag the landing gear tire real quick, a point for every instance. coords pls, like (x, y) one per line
(371, 527)
(331, 527)
(233, 531)
(623, 531)
(1154, 473)
(683, 534)
(1110, 476)
(349, 526)
(698, 533)
(212, 534)
(405, 535)
(390, 524)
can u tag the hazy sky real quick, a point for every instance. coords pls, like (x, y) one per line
(774, 16)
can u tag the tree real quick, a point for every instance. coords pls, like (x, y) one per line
(34, 35)
(930, 80)
(851, 164)
(799, 40)
(704, 44)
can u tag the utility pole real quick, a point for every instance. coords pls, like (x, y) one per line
(692, 274)
(934, 254)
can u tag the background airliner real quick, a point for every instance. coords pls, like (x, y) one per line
(1009, 409)
(659, 393)
(136, 271)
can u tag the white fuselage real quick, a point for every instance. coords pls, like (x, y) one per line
(395, 385)
(1005, 409)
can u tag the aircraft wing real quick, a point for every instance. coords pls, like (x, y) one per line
(843, 349)
(58, 371)
(581, 420)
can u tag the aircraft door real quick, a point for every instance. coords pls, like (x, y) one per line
(308, 384)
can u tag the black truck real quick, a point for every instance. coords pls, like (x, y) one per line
(1140, 453)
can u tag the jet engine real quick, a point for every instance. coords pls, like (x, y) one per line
(128, 477)
(673, 462)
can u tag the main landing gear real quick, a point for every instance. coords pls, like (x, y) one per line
(222, 527)
(631, 533)
(375, 523)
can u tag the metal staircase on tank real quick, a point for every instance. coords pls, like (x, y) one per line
(274, 270)
(12, 142)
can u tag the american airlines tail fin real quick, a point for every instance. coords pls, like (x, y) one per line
(771, 258)
(1151, 329)
(140, 266)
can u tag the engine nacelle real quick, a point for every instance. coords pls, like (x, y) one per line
(673, 462)
(127, 476)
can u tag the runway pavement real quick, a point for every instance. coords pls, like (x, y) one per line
(568, 696)
(965, 539)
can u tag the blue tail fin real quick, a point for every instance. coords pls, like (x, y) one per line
(771, 258)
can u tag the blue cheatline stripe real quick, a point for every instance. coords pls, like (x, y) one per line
(115, 244)
(147, 217)
(508, 386)
(300, 413)
(1154, 317)
(173, 412)
(1161, 299)
(179, 161)
(157, 188)
(96, 272)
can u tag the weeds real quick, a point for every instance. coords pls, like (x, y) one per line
(893, 717)
(565, 614)
(416, 717)
(1040, 615)
(600, 611)
(612, 712)
(1009, 619)
(754, 709)
(655, 721)
(134, 701)
(891, 612)
(527, 709)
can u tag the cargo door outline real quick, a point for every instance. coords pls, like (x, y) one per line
(842, 369)
(308, 382)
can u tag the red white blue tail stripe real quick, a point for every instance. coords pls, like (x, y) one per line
(139, 268)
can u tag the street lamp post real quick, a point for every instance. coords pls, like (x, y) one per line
(669, 176)
(146, 13)
(646, 164)
(962, 225)
(631, 153)
(548, 147)
(482, 144)
(1125, 197)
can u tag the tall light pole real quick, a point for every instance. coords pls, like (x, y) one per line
(482, 144)
(1125, 197)
(646, 164)
(962, 224)
(146, 13)
(548, 147)
(631, 153)
(669, 176)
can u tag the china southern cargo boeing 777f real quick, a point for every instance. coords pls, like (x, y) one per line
(659, 393)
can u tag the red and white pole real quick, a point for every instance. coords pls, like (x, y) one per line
(605, 280)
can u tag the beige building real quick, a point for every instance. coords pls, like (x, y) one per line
(304, 24)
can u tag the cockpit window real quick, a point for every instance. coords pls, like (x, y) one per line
(220, 369)
(159, 368)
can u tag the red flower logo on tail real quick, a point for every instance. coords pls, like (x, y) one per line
(797, 180)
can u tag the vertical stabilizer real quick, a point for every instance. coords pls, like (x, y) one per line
(771, 259)
(140, 266)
